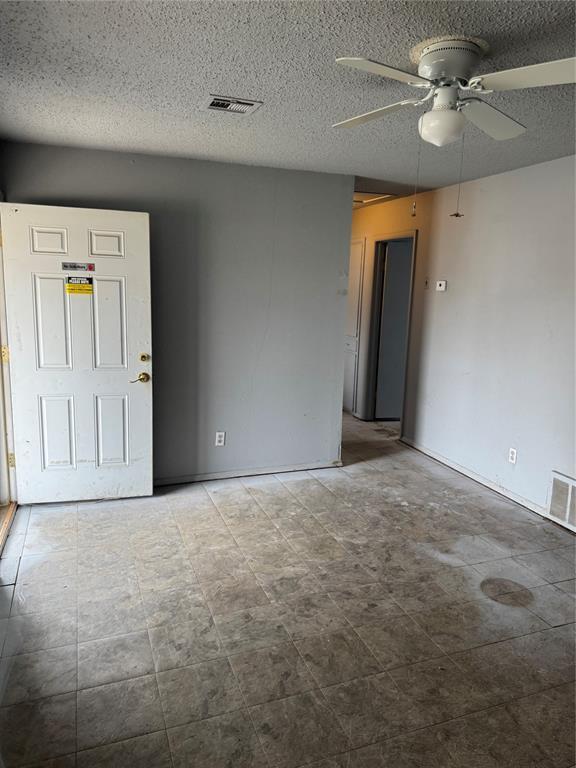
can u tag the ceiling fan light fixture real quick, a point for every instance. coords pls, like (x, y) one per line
(441, 127)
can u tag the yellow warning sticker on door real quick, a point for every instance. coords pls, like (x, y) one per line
(81, 285)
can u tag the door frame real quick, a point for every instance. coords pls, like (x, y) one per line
(378, 285)
(7, 472)
(362, 242)
(367, 302)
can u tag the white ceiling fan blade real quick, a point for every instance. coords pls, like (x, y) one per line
(376, 113)
(490, 120)
(548, 73)
(375, 68)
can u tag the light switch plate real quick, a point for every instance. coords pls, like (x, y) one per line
(441, 285)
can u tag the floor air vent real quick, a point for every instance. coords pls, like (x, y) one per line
(563, 500)
(235, 106)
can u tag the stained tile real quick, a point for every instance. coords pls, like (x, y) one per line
(552, 565)
(150, 751)
(286, 582)
(39, 631)
(179, 645)
(118, 711)
(172, 606)
(417, 594)
(38, 730)
(55, 565)
(371, 709)
(311, 615)
(438, 690)
(490, 739)
(163, 574)
(234, 594)
(552, 605)
(225, 741)
(334, 657)
(106, 618)
(318, 548)
(466, 625)
(252, 533)
(339, 573)
(43, 596)
(252, 629)
(398, 641)
(502, 576)
(298, 729)
(38, 675)
(6, 597)
(112, 585)
(471, 549)
(548, 718)
(276, 553)
(521, 666)
(271, 673)
(297, 558)
(220, 564)
(114, 658)
(201, 541)
(304, 525)
(8, 570)
(421, 749)
(361, 611)
(200, 691)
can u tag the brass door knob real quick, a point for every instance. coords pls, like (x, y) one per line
(143, 377)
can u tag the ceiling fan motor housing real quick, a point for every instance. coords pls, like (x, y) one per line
(449, 61)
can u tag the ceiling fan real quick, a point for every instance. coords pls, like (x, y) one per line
(445, 68)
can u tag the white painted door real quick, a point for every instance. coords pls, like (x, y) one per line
(352, 337)
(77, 287)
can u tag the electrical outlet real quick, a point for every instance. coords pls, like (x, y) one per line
(512, 455)
(220, 439)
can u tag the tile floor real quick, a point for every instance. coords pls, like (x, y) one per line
(388, 613)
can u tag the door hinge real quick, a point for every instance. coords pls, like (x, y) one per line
(4, 353)
(11, 460)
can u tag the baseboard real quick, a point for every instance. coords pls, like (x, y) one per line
(478, 478)
(248, 472)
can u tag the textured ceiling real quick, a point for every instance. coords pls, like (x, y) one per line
(137, 76)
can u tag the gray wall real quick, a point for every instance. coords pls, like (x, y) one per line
(492, 359)
(249, 271)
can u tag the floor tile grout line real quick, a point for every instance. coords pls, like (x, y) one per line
(504, 703)
(246, 707)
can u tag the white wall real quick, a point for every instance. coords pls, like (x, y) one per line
(492, 366)
(249, 270)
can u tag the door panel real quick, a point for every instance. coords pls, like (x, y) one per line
(78, 310)
(109, 322)
(52, 322)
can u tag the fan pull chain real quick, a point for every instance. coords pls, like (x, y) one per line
(417, 180)
(457, 214)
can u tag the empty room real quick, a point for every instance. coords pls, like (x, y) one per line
(287, 384)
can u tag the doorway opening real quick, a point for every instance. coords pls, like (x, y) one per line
(377, 331)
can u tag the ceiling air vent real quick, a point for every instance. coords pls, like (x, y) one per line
(234, 106)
